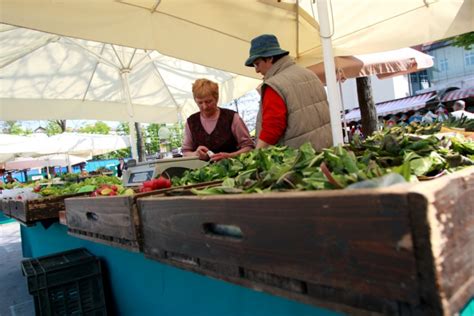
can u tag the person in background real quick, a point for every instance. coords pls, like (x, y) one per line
(293, 106)
(120, 167)
(214, 133)
(442, 114)
(415, 118)
(10, 179)
(459, 110)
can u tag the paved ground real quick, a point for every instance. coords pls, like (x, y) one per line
(14, 297)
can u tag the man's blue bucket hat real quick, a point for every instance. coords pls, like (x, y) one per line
(265, 45)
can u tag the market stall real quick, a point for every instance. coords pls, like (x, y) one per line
(269, 221)
(379, 251)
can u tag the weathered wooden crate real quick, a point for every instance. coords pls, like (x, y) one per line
(111, 220)
(5, 207)
(404, 250)
(30, 211)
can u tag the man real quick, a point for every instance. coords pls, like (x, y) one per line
(293, 107)
(459, 110)
(10, 179)
(214, 133)
(120, 167)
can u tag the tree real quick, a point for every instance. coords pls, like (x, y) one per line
(14, 128)
(177, 135)
(53, 128)
(123, 129)
(464, 40)
(140, 142)
(98, 128)
(152, 141)
(62, 125)
(366, 106)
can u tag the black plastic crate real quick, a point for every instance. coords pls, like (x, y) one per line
(66, 283)
(56, 269)
(81, 297)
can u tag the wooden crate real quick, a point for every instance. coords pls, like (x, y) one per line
(404, 250)
(111, 220)
(5, 207)
(30, 211)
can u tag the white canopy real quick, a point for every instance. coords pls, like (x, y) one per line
(46, 76)
(217, 33)
(9, 144)
(384, 64)
(83, 145)
(61, 160)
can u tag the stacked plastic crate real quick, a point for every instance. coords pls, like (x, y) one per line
(66, 283)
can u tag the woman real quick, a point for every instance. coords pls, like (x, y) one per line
(214, 133)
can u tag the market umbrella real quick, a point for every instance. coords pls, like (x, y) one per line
(46, 76)
(86, 144)
(79, 144)
(12, 146)
(218, 33)
(61, 160)
(384, 64)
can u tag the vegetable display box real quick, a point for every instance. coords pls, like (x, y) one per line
(30, 211)
(111, 220)
(5, 207)
(401, 250)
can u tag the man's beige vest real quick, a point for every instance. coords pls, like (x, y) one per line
(307, 107)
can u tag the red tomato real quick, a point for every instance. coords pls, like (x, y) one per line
(148, 184)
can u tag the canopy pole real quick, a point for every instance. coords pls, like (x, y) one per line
(329, 69)
(346, 135)
(131, 124)
(133, 139)
(68, 160)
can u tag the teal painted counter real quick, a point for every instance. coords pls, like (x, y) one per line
(140, 286)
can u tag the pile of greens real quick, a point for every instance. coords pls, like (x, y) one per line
(393, 151)
(88, 185)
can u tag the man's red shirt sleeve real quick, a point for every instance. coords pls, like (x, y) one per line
(273, 117)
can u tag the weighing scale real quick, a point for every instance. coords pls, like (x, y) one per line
(138, 172)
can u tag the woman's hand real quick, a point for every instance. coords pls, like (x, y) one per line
(220, 156)
(201, 152)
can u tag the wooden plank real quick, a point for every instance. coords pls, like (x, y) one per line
(30, 211)
(442, 213)
(108, 216)
(343, 239)
(5, 206)
(112, 220)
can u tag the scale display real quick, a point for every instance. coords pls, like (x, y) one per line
(144, 171)
(139, 177)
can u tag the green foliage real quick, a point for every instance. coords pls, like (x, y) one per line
(464, 40)
(88, 185)
(389, 156)
(53, 128)
(98, 128)
(177, 135)
(152, 143)
(123, 129)
(14, 128)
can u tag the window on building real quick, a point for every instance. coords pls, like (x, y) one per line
(443, 64)
(469, 58)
